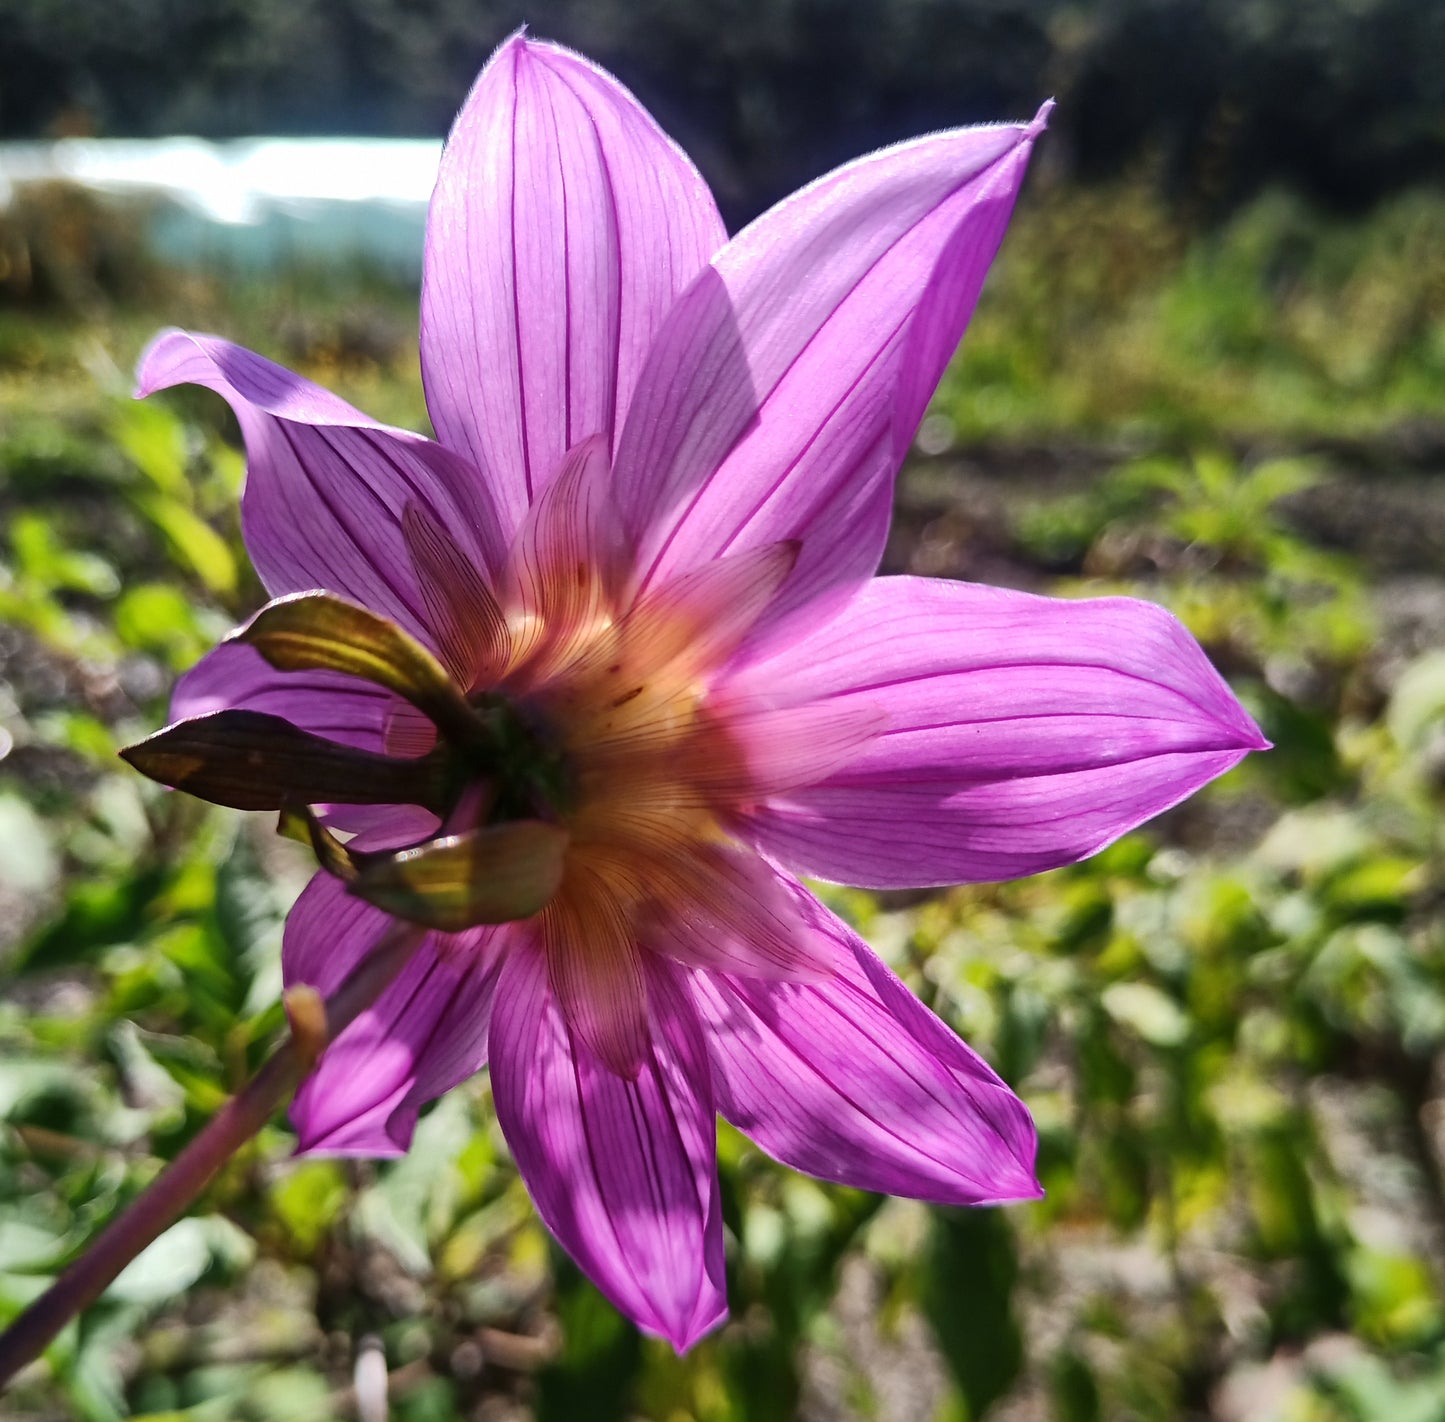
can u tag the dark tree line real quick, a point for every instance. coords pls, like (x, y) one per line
(1345, 98)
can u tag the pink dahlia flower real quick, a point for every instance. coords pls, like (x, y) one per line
(608, 661)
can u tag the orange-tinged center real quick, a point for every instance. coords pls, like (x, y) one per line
(652, 773)
(628, 740)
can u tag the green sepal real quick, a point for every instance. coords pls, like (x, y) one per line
(489, 875)
(316, 631)
(300, 823)
(250, 760)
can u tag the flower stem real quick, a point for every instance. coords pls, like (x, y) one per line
(168, 1196)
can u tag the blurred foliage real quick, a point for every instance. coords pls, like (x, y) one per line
(1107, 315)
(1229, 1025)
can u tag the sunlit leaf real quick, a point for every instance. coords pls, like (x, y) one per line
(968, 1282)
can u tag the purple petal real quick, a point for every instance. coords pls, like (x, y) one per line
(566, 564)
(796, 746)
(570, 526)
(787, 382)
(1021, 732)
(701, 617)
(563, 225)
(341, 708)
(724, 908)
(622, 1172)
(470, 629)
(425, 1034)
(326, 486)
(596, 971)
(854, 1080)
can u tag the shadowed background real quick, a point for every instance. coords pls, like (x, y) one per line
(1342, 100)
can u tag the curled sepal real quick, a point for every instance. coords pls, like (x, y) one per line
(490, 875)
(249, 760)
(315, 631)
(299, 823)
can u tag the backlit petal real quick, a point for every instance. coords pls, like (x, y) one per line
(622, 1172)
(854, 1080)
(566, 561)
(1021, 732)
(563, 225)
(783, 390)
(328, 704)
(596, 971)
(461, 609)
(784, 749)
(700, 617)
(725, 908)
(326, 486)
(425, 1033)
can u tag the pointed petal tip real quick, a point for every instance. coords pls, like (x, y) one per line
(1008, 1173)
(1005, 1176)
(1254, 738)
(1040, 120)
(518, 40)
(685, 1328)
(522, 48)
(337, 1144)
(704, 1321)
(539, 51)
(1241, 729)
(1020, 1187)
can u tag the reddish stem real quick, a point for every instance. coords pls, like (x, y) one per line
(168, 1196)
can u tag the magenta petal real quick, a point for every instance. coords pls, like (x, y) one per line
(725, 909)
(425, 1034)
(340, 708)
(326, 486)
(622, 1172)
(566, 560)
(854, 1080)
(786, 384)
(563, 225)
(1021, 732)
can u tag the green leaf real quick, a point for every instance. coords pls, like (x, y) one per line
(198, 546)
(155, 440)
(1148, 1012)
(175, 1261)
(308, 1198)
(157, 617)
(1418, 703)
(1074, 1393)
(1380, 887)
(28, 862)
(968, 1279)
(97, 913)
(599, 1365)
(43, 558)
(1392, 1297)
